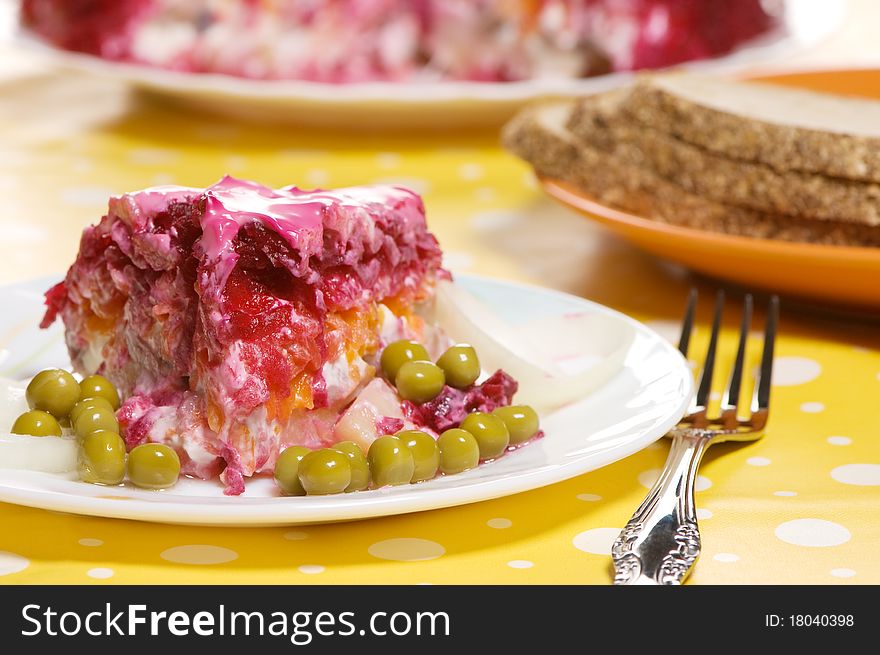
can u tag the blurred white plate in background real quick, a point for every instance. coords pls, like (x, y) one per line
(424, 105)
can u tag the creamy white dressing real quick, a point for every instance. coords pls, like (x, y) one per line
(340, 383)
(93, 356)
(390, 327)
(163, 43)
(198, 453)
(235, 368)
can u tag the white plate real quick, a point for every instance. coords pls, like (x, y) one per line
(644, 395)
(424, 105)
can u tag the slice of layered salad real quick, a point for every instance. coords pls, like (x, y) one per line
(248, 330)
(357, 41)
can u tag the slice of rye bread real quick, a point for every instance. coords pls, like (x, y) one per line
(597, 120)
(788, 129)
(538, 134)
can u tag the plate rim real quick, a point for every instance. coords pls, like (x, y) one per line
(574, 197)
(790, 36)
(275, 511)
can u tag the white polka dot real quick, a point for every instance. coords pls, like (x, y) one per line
(199, 554)
(714, 395)
(303, 153)
(91, 542)
(863, 475)
(530, 180)
(470, 172)
(24, 232)
(703, 513)
(82, 165)
(812, 407)
(590, 498)
(414, 184)
(295, 535)
(406, 550)
(100, 573)
(843, 573)
(152, 156)
(14, 159)
(388, 160)
(12, 563)
(236, 163)
(457, 261)
(311, 569)
(812, 532)
(160, 179)
(725, 557)
(494, 221)
(649, 477)
(785, 493)
(317, 177)
(878, 376)
(520, 564)
(499, 524)
(485, 194)
(791, 371)
(758, 461)
(597, 541)
(85, 196)
(839, 441)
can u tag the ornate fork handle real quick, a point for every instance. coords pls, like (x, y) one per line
(661, 542)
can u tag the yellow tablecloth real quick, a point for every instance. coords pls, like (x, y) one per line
(800, 506)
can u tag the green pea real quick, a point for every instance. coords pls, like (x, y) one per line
(101, 458)
(521, 421)
(461, 366)
(324, 471)
(459, 451)
(54, 390)
(425, 453)
(396, 354)
(287, 470)
(37, 423)
(89, 404)
(97, 386)
(419, 381)
(96, 418)
(360, 468)
(489, 431)
(391, 462)
(153, 466)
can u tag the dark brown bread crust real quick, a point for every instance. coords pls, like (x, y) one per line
(542, 140)
(598, 120)
(782, 147)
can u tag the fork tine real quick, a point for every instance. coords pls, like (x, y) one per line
(767, 356)
(761, 395)
(730, 398)
(702, 398)
(687, 325)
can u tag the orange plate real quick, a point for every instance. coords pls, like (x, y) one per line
(831, 274)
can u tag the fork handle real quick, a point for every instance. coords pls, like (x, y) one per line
(661, 542)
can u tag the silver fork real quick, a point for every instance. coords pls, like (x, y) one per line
(661, 542)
